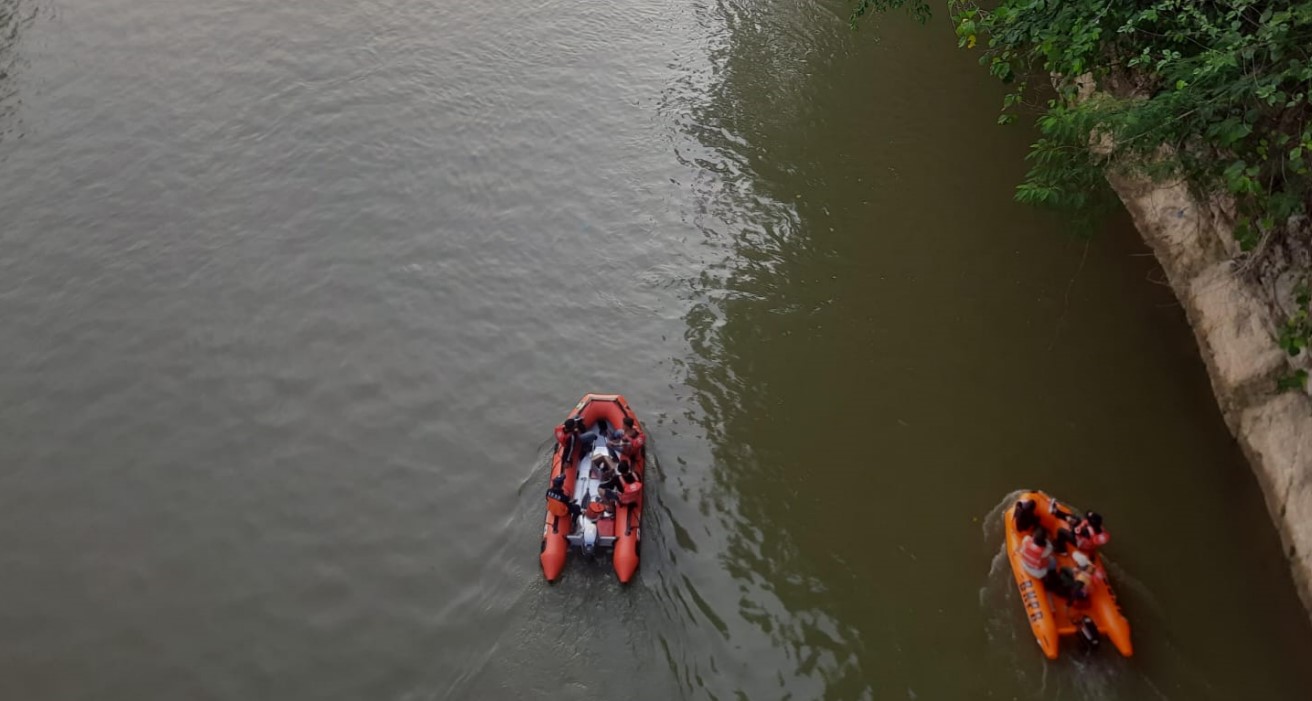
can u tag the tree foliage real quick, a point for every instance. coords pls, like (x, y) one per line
(1224, 85)
(917, 8)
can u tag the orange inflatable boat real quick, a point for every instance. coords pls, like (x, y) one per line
(1051, 616)
(587, 520)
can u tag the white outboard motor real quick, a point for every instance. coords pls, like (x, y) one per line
(589, 535)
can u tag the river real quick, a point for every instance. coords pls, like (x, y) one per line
(292, 294)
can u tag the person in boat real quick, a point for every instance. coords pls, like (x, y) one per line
(615, 442)
(1036, 555)
(1076, 583)
(630, 485)
(1089, 533)
(624, 486)
(1086, 534)
(1026, 515)
(558, 502)
(626, 442)
(633, 438)
(589, 438)
(567, 434)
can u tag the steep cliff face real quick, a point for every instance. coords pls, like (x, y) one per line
(1234, 309)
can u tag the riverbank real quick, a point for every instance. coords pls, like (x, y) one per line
(1233, 314)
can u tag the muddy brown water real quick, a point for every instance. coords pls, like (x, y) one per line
(291, 295)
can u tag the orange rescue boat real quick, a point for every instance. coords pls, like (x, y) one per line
(1051, 616)
(593, 530)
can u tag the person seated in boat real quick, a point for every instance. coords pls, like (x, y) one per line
(1075, 584)
(1026, 515)
(589, 438)
(611, 480)
(624, 441)
(1083, 563)
(1063, 539)
(624, 485)
(1036, 555)
(558, 502)
(630, 485)
(1078, 580)
(1089, 533)
(567, 434)
(1086, 534)
(633, 438)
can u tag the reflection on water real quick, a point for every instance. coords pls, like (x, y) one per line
(800, 648)
(873, 364)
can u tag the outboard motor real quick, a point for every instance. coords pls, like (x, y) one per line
(589, 536)
(1089, 634)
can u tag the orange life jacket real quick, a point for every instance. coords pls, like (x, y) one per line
(595, 510)
(557, 502)
(557, 507)
(631, 493)
(1034, 556)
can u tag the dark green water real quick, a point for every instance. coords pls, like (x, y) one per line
(291, 295)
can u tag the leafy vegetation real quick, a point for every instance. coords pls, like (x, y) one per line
(1296, 335)
(1212, 92)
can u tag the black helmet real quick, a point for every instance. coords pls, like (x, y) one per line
(569, 424)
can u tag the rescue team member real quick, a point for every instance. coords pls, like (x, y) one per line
(588, 438)
(558, 502)
(567, 434)
(625, 441)
(634, 440)
(1089, 533)
(615, 442)
(1026, 515)
(630, 485)
(1076, 583)
(1073, 583)
(625, 482)
(1036, 554)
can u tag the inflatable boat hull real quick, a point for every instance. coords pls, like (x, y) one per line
(1050, 617)
(620, 535)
